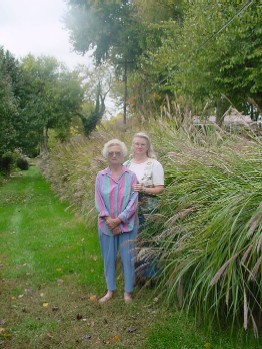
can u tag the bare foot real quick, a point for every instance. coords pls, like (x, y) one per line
(106, 297)
(127, 297)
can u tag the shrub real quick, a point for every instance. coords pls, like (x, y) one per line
(6, 163)
(22, 163)
(209, 229)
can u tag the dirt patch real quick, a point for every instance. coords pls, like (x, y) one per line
(64, 315)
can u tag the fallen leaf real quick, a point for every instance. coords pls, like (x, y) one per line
(116, 338)
(50, 335)
(79, 316)
(93, 298)
(59, 282)
(131, 329)
(2, 329)
(91, 323)
(6, 335)
(45, 305)
(28, 291)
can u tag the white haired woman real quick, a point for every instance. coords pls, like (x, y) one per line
(116, 202)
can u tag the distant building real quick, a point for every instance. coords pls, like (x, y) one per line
(237, 119)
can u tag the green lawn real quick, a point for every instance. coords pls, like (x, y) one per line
(51, 276)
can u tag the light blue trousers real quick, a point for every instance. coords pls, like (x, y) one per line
(110, 245)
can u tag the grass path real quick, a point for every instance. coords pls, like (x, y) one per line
(50, 278)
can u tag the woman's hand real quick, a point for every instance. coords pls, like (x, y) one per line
(116, 231)
(139, 187)
(112, 223)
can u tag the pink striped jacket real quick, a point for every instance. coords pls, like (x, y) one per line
(116, 199)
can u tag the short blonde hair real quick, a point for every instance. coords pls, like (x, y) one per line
(150, 151)
(110, 144)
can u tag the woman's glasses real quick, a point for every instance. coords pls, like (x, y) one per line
(114, 153)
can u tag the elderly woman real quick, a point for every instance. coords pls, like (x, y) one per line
(116, 202)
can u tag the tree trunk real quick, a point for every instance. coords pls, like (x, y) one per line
(125, 91)
(44, 142)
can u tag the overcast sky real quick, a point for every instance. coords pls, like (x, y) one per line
(35, 26)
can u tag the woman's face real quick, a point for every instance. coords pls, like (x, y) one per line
(140, 146)
(115, 155)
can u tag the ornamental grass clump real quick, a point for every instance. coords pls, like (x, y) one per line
(209, 229)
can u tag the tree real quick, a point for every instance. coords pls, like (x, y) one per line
(51, 97)
(8, 101)
(110, 28)
(216, 53)
(92, 116)
(96, 84)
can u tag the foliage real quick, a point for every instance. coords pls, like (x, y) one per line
(202, 51)
(108, 27)
(22, 163)
(51, 99)
(208, 230)
(227, 63)
(37, 94)
(213, 54)
(8, 101)
(6, 162)
(96, 84)
(157, 11)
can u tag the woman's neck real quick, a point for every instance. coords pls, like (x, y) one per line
(115, 167)
(140, 158)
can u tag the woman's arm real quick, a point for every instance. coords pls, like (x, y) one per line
(157, 189)
(99, 199)
(131, 207)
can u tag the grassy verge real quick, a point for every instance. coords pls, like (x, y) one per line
(50, 278)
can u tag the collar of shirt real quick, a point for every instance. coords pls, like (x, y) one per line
(107, 171)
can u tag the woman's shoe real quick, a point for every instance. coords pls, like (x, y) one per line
(106, 297)
(127, 297)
